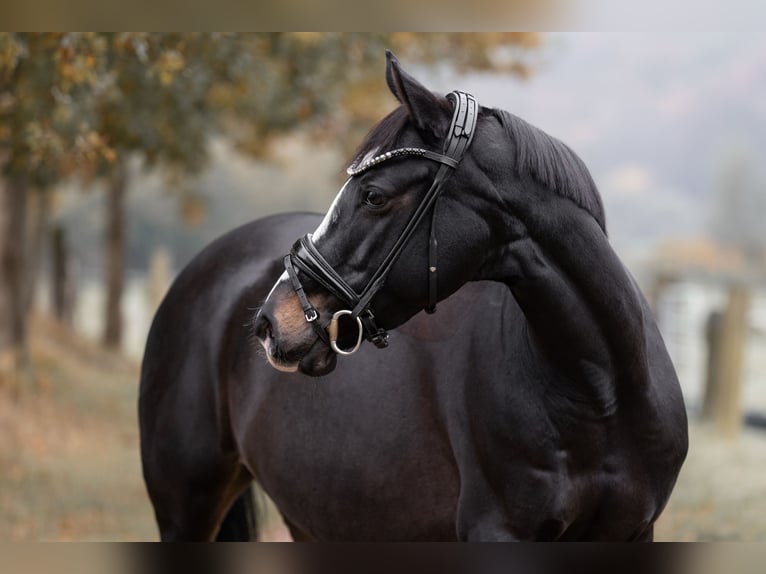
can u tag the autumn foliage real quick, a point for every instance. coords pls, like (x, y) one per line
(81, 105)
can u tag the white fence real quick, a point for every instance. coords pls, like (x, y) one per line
(683, 311)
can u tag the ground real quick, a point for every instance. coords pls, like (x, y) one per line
(70, 467)
(721, 492)
(69, 446)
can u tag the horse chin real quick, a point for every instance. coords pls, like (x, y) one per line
(319, 361)
(284, 367)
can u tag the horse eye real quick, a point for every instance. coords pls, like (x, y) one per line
(374, 199)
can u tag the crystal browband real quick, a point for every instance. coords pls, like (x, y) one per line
(417, 151)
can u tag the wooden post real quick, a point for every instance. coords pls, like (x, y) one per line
(160, 276)
(727, 406)
(660, 282)
(713, 334)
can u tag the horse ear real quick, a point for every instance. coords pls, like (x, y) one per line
(423, 106)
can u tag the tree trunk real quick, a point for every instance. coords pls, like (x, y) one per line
(13, 315)
(37, 233)
(115, 254)
(62, 288)
(18, 275)
(6, 265)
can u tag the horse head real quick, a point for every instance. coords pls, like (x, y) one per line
(368, 217)
(437, 193)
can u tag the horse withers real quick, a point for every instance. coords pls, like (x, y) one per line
(538, 403)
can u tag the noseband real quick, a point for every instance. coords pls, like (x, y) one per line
(305, 256)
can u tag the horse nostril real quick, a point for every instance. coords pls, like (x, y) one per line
(263, 328)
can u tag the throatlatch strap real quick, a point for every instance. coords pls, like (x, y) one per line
(433, 256)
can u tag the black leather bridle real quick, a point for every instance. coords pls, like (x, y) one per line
(305, 256)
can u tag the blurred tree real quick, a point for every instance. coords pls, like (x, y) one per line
(333, 85)
(156, 106)
(88, 104)
(44, 132)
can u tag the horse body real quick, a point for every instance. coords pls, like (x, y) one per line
(445, 435)
(539, 403)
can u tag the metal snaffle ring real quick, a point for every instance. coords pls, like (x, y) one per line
(333, 331)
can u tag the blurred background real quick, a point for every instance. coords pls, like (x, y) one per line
(122, 155)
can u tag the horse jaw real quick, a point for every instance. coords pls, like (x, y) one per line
(318, 361)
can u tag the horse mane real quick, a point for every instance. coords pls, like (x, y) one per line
(553, 164)
(547, 160)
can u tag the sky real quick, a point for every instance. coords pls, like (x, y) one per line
(653, 115)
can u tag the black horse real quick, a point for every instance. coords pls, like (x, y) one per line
(538, 403)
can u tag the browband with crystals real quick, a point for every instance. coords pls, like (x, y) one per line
(419, 151)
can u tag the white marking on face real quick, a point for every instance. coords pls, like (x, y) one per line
(284, 367)
(331, 217)
(284, 278)
(369, 155)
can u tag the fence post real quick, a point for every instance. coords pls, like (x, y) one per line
(713, 334)
(160, 277)
(726, 408)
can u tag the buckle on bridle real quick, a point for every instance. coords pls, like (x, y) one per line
(380, 339)
(311, 315)
(332, 329)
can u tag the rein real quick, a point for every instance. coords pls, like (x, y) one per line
(306, 257)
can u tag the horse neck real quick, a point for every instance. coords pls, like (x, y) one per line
(585, 314)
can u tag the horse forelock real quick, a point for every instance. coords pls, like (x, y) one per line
(383, 136)
(553, 164)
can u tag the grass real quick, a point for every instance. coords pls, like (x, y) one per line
(70, 466)
(69, 446)
(721, 492)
